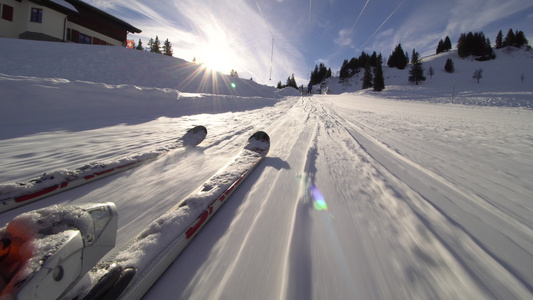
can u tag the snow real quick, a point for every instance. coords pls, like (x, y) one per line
(393, 195)
(501, 84)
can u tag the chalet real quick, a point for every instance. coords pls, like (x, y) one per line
(63, 21)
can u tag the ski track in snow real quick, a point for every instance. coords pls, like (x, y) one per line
(382, 237)
(408, 215)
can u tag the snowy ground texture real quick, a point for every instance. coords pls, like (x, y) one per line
(361, 196)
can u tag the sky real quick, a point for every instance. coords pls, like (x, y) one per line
(269, 40)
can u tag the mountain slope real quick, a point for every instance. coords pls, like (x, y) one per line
(118, 65)
(501, 84)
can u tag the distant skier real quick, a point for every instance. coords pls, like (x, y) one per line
(309, 88)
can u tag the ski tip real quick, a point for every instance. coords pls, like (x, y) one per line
(259, 142)
(194, 136)
(197, 129)
(112, 283)
(260, 136)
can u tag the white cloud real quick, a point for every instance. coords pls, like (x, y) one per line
(429, 22)
(343, 38)
(476, 14)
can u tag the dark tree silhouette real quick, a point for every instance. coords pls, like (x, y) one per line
(398, 58)
(416, 74)
(478, 74)
(448, 67)
(367, 77)
(379, 81)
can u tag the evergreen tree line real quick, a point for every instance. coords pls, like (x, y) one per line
(468, 44)
(354, 65)
(154, 46)
(475, 44)
(398, 59)
(478, 45)
(512, 39)
(319, 74)
(445, 45)
(374, 67)
(290, 82)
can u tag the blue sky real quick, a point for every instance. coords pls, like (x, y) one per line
(237, 34)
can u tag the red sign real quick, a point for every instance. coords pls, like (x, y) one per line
(130, 44)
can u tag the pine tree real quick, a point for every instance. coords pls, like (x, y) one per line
(156, 45)
(354, 66)
(448, 67)
(150, 44)
(291, 82)
(447, 44)
(320, 74)
(510, 39)
(440, 47)
(288, 82)
(521, 39)
(416, 74)
(499, 40)
(398, 59)
(461, 46)
(373, 60)
(140, 45)
(379, 81)
(344, 72)
(167, 48)
(367, 77)
(279, 86)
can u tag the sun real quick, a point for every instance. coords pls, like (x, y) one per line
(217, 50)
(216, 59)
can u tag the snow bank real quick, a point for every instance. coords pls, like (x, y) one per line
(117, 66)
(32, 105)
(288, 91)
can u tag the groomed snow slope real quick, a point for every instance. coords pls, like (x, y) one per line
(359, 197)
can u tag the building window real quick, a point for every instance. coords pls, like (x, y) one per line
(7, 13)
(36, 15)
(84, 39)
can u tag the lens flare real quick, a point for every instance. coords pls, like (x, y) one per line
(233, 85)
(319, 203)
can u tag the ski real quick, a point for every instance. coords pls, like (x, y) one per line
(130, 272)
(18, 194)
(43, 253)
(67, 243)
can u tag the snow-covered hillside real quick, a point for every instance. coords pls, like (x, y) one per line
(118, 66)
(361, 196)
(501, 85)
